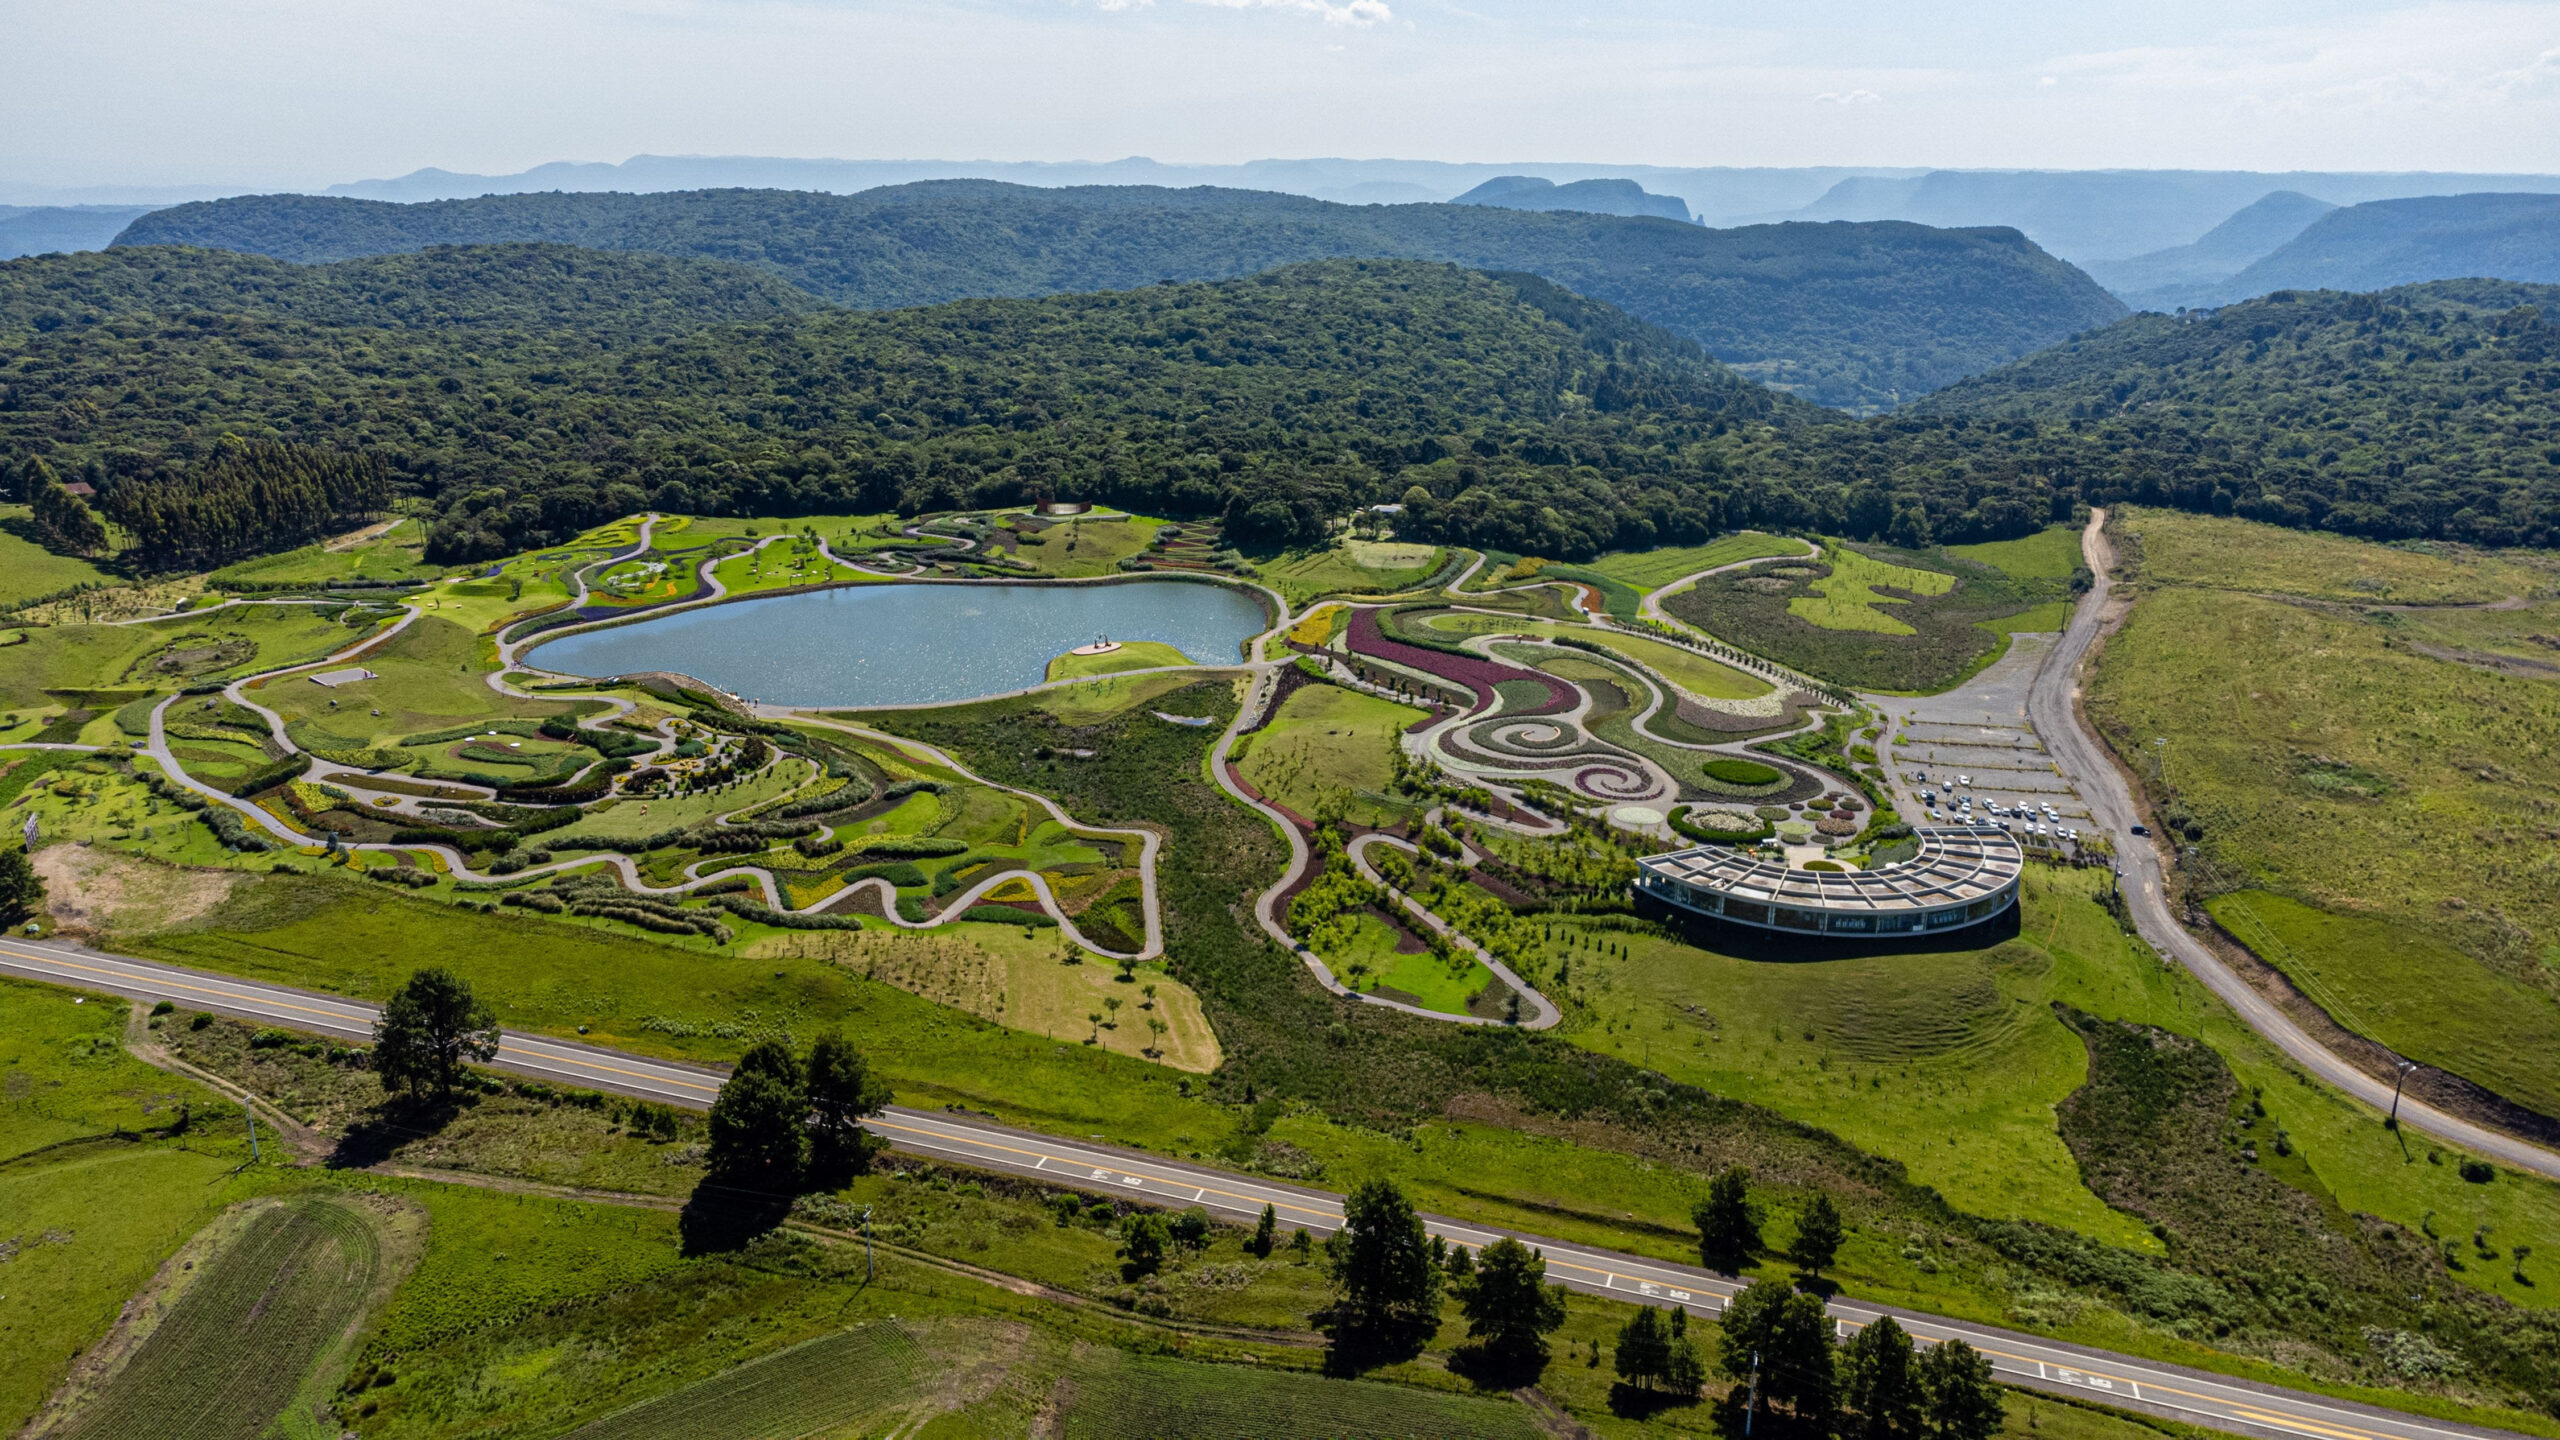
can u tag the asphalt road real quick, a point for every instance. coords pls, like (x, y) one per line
(966, 1139)
(2051, 705)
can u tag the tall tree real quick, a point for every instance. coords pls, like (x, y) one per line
(1386, 1284)
(432, 1027)
(1818, 1235)
(22, 890)
(1143, 1239)
(1790, 1335)
(1265, 1230)
(1882, 1383)
(1728, 1223)
(759, 1121)
(1510, 1308)
(1654, 1352)
(841, 1091)
(65, 519)
(1964, 1404)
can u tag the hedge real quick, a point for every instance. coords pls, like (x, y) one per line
(290, 768)
(1733, 770)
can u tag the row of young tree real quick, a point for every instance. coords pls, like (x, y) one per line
(1774, 1341)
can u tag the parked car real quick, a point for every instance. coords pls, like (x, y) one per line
(2141, 829)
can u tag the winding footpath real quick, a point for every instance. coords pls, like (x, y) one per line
(2053, 704)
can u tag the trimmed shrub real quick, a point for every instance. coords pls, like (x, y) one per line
(1734, 770)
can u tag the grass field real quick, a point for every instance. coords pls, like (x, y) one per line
(1098, 700)
(1683, 668)
(2406, 988)
(2049, 554)
(396, 554)
(272, 1304)
(28, 570)
(1847, 598)
(780, 566)
(164, 655)
(1351, 567)
(1132, 1398)
(1650, 570)
(2176, 548)
(429, 677)
(1132, 655)
(92, 1217)
(1074, 549)
(2318, 759)
(1329, 748)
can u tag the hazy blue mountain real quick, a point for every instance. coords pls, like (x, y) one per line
(2404, 242)
(1716, 195)
(2090, 216)
(1862, 317)
(44, 229)
(1593, 197)
(2162, 279)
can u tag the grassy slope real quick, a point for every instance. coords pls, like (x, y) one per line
(1350, 568)
(2176, 548)
(93, 1218)
(1686, 669)
(397, 554)
(2049, 554)
(2324, 762)
(225, 642)
(28, 570)
(1329, 747)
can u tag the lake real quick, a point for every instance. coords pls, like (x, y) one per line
(910, 644)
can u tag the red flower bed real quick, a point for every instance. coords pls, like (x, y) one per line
(1475, 674)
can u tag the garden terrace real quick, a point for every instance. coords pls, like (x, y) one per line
(1963, 875)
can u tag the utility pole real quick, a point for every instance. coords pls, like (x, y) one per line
(252, 1117)
(1752, 1408)
(2393, 1122)
(870, 1266)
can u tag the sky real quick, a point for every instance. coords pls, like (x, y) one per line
(303, 93)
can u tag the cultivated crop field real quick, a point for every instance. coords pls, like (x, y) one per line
(245, 1334)
(852, 1380)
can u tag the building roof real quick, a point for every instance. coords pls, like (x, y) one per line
(1956, 864)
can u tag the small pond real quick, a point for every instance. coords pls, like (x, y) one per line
(910, 644)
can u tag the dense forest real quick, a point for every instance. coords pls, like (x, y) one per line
(2429, 410)
(1502, 410)
(1276, 401)
(1861, 316)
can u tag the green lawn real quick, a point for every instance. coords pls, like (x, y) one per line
(429, 677)
(1650, 570)
(1097, 700)
(164, 655)
(28, 570)
(2049, 554)
(1847, 598)
(1132, 655)
(1330, 748)
(1075, 549)
(782, 567)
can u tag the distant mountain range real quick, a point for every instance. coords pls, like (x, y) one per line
(43, 229)
(1595, 197)
(1860, 316)
(2166, 279)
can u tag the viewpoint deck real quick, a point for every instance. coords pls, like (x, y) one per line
(1963, 875)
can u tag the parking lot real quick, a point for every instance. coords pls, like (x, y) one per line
(1975, 742)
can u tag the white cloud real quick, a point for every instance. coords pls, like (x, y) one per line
(1335, 12)
(1847, 97)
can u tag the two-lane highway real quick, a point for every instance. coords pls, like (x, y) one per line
(968, 1139)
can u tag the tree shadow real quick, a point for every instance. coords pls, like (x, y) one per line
(1750, 942)
(377, 1137)
(1488, 1369)
(1812, 1284)
(1352, 1349)
(722, 1217)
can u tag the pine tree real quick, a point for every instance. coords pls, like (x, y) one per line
(1964, 1404)
(1386, 1286)
(21, 888)
(841, 1092)
(1818, 1235)
(432, 1027)
(759, 1122)
(1882, 1383)
(1510, 1309)
(1728, 1223)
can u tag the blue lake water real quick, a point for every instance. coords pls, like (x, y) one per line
(910, 644)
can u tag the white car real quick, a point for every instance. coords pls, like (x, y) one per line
(1965, 780)
(1934, 815)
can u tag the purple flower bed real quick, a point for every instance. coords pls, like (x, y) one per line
(1476, 674)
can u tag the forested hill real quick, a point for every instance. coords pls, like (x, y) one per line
(1861, 316)
(600, 293)
(1279, 400)
(2428, 410)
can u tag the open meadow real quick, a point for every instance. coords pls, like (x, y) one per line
(2308, 750)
